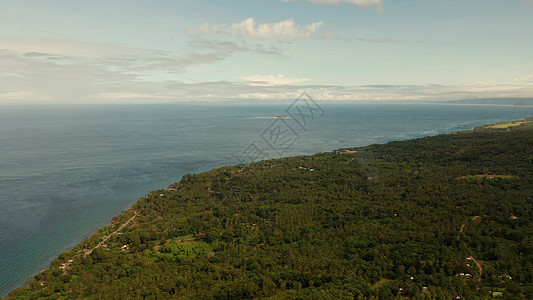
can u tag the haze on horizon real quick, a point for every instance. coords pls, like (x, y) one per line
(166, 51)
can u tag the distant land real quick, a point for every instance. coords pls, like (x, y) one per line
(496, 101)
(442, 217)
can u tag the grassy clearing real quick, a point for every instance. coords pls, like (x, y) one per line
(506, 124)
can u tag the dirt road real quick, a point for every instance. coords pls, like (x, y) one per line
(480, 268)
(111, 234)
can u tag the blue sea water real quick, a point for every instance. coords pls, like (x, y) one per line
(67, 170)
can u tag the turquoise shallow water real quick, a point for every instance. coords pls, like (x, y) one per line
(67, 170)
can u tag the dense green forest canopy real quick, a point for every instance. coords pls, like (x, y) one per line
(443, 217)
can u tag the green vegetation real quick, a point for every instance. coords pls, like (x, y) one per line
(384, 222)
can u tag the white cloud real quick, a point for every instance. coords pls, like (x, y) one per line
(248, 28)
(376, 4)
(270, 80)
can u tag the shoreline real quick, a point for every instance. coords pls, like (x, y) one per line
(526, 120)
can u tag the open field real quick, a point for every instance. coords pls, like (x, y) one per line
(506, 124)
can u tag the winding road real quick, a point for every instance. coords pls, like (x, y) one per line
(480, 268)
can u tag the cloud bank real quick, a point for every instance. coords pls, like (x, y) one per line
(249, 28)
(59, 74)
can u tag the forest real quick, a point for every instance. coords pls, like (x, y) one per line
(442, 217)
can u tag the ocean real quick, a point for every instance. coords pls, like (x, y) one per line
(66, 170)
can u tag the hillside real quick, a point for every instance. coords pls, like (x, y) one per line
(445, 216)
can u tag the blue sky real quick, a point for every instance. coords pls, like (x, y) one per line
(351, 50)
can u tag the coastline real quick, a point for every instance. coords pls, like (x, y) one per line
(136, 201)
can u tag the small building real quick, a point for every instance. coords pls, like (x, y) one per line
(506, 276)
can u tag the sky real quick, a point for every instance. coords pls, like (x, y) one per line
(166, 51)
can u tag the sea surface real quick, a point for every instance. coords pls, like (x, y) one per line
(67, 170)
